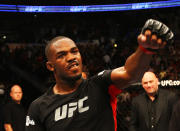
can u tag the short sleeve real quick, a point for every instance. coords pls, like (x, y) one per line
(33, 122)
(103, 79)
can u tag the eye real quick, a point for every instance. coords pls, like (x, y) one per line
(74, 51)
(61, 55)
(151, 81)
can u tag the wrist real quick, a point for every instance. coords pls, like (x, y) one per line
(146, 51)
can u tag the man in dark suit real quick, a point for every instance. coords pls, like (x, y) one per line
(151, 111)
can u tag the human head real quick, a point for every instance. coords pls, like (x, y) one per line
(16, 93)
(64, 59)
(150, 83)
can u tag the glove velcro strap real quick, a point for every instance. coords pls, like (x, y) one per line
(146, 51)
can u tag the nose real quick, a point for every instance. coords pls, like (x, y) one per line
(70, 57)
(148, 84)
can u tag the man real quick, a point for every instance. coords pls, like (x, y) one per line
(175, 118)
(75, 104)
(14, 113)
(151, 111)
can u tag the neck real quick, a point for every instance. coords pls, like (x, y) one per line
(18, 102)
(152, 98)
(64, 88)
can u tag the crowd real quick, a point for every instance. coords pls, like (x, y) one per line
(96, 56)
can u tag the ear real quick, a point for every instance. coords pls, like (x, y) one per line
(10, 94)
(50, 66)
(157, 80)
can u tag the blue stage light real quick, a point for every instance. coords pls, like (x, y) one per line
(89, 8)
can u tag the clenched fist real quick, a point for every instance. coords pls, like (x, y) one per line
(154, 35)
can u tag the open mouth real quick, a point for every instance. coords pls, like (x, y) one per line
(73, 65)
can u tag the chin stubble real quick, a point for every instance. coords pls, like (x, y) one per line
(72, 79)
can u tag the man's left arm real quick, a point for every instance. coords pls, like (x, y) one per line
(154, 35)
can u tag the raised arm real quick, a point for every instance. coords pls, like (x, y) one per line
(154, 36)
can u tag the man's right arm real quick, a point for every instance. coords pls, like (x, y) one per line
(7, 117)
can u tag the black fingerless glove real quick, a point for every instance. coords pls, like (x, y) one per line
(159, 29)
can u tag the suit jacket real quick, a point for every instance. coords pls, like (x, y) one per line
(174, 124)
(140, 116)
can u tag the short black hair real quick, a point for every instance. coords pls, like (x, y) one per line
(51, 42)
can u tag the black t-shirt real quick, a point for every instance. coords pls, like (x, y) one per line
(15, 115)
(86, 109)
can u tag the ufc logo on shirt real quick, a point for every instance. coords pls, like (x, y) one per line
(67, 110)
(29, 122)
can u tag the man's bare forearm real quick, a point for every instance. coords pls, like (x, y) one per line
(137, 64)
(134, 67)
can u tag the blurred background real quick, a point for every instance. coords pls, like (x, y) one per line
(105, 38)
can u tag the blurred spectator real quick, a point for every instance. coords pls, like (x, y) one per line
(14, 113)
(123, 111)
(151, 111)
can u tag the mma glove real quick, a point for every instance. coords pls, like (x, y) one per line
(160, 30)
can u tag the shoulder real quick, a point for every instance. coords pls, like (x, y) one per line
(37, 102)
(140, 96)
(167, 93)
(164, 91)
(102, 74)
(171, 96)
(137, 99)
(9, 104)
(102, 77)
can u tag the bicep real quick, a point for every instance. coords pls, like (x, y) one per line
(120, 77)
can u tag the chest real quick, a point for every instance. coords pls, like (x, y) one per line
(17, 113)
(76, 111)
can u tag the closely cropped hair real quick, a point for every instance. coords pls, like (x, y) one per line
(51, 42)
